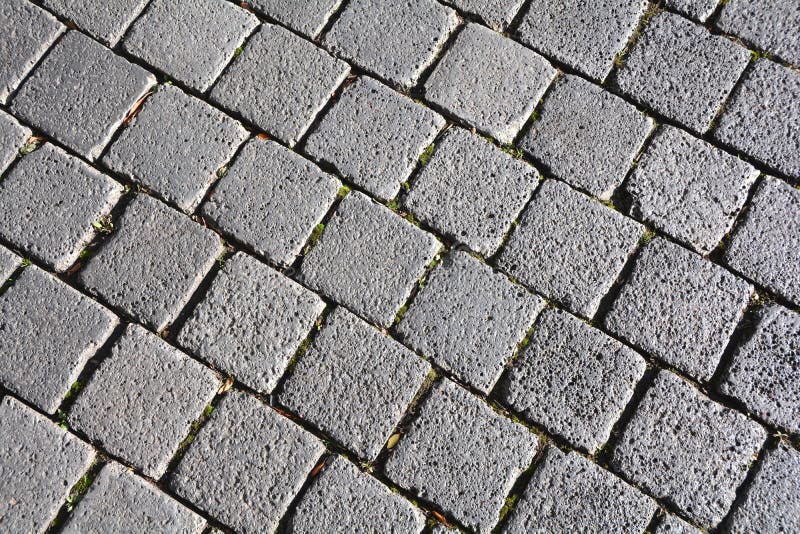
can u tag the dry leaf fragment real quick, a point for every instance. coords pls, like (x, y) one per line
(393, 439)
(228, 384)
(439, 517)
(263, 136)
(136, 108)
(316, 470)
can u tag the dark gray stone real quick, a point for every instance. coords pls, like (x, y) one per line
(497, 14)
(699, 10)
(105, 21)
(772, 26)
(308, 17)
(12, 138)
(9, 262)
(671, 524)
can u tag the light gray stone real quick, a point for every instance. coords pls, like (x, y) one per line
(772, 26)
(497, 14)
(671, 524)
(699, 10)
(308, 17)
(12, 138)
(9, 262)
(103, 20)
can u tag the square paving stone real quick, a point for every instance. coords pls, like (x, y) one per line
(39, 464)
(772, 26)
(279, 82)
(497, 14)
(105, 21)
(48, 203)
(568, 493)
(13, 136)
(586, 136)
(462, 456)
(354, 383)
(688, 188)
(368, 259)
(679, 307)
(471, 190)
(175, 146)
(683, 448)
(374, 136)
(103, 87)
(469, 319)
(671, 524)
(673, 48)
(189, 40)
(271, 199)
(152, 263)
(489, 81)
(308, 17)
(246, 464)
(572, 379)
(154, 392)
(9, 262)
(569, 247)
(251, 322)
(396, 41)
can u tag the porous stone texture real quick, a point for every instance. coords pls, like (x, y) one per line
(39, 463)
(279, 82)
(307, 17)
(368, 259)
(679, 307)
(568, 493)
(497, 14)
(175, 146)
(469, 319)
(471, 191)
(673, 48)
(189, 40)
(9, 262)
(152, 263)
(586, 136)
(354, 383)
(462, 456)
(103, 87)
(671, 524)
(688, 188)
(246, 464)
(772, 26)
(699, 10)
(572, 379)
(374, 136)
(569, 247)
(49, 202)
(396, 41)
(683, 448)
(12, 138)
(251, 322)
(489, 81)
(103, 20)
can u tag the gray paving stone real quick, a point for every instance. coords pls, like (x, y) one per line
(679, 307)
(699, 10)
(189, 40)
(469, 319)
(374, 136)
(396, 41)
(368, 259)
(681, 70)
(354, 383)
(489, 81)
(772, 26)
(765, 371)
(48, 331)
(152, 263)
(39, 464)
(308, 18)
(461, 455)
(103, 20)
(569, 247)
(683, 448)
(586, 136)
(103, 87)
(12, 138)
(279, 82)
(251, 322)
(246, 464)
(572, 379)
(568, 493)
(155, 393)
(766, 246)
(471, 190)
(587, 36)
(48, 203)
(497, 14)
(671, 524)
(9, 262)
(26, 32)
(175, 146)
(688, 188)
(271, 199)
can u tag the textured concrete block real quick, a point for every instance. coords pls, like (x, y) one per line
(679, 307)
(307, 17)
(48, 203)
(103, 20)
(9, 262)
(469, 319)
(490, 82)
(686, 449)
(569, 247)
(152, 263)
(699, 10)
(462, 456)
(586, 136)
(572, 379)
(471, 191)
(246, 464)
(772, 26)
(12, 138)
(497, 14)
(279, 82)
(374, 136)
(671, 524)
(368, 259)
(155, 393)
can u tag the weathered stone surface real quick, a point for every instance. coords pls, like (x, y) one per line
(9, 262)
(671, 524)
(308, 17)
(695, 9)
(103, 20)
(12, 138)
(772, 26)
(497, 14)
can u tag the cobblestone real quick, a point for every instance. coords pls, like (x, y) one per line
(497, 14)
(12, 138)
(105, 21)
(9, 262)
(671, 524)
(308, 17)
(699, 10)
(773, 26)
